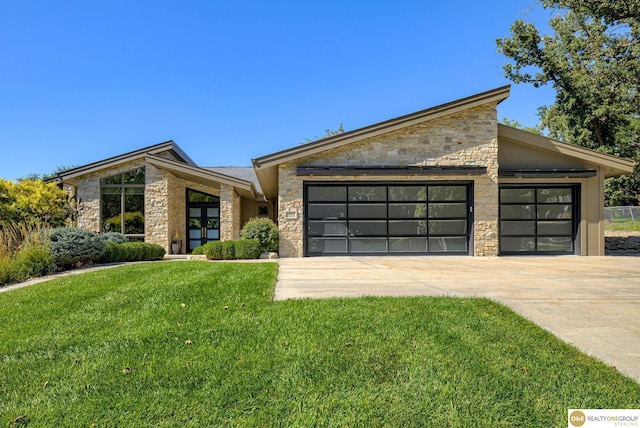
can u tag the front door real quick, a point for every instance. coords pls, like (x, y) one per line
(203, 218)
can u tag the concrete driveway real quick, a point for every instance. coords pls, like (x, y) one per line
(590, 302)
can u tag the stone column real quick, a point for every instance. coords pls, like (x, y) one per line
(229, 213)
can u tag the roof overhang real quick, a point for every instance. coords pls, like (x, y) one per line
(612, 166)
(203, 176)
(267, 166)
(70, 176)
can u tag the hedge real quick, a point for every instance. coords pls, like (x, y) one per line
(230, 250)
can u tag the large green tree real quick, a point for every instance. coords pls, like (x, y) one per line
(592, 59)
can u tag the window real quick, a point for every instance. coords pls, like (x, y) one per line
(122, 203)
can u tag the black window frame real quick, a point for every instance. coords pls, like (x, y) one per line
(123, 185)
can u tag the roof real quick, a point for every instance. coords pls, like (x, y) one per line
(612, 165)
(70, 175)
(246, 173)
(184, 167)
(267, 166)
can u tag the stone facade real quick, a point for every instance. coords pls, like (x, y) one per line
(229, 213)
(468, 138)
(165, 203)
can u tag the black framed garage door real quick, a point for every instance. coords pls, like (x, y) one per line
(539, 219)
(387, 218)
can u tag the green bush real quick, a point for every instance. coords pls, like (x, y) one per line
(113, 253)
(8, 271)
(133, 252)
(247, 249)
(116, 237)
(72, 246)
(264, 230)
(228, 250)
(198, 251)
(213, 250)
(34, 261)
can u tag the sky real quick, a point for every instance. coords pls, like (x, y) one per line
(233, 80)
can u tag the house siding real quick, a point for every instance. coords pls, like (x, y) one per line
(468, 138)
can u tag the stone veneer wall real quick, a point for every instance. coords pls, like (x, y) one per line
(466, 138)
(229, 213)
(88, 194)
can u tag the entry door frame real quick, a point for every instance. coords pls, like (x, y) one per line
(208, 228)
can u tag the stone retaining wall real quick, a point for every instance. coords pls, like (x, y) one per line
(622, 245)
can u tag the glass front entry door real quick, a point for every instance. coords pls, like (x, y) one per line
(203, 218)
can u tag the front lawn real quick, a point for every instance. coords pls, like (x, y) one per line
(203, 344)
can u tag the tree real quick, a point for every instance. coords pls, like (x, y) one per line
(327, 133)
(537, 129)
(592, 62)
(34, 201)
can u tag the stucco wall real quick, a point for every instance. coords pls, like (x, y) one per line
(467, 138)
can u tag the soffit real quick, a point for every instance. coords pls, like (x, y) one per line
(612, 166)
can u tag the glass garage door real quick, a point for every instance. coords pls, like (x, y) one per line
(388, 218)
(538, 220)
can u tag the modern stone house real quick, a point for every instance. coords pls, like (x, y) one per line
(445, 180)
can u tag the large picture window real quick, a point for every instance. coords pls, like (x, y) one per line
(122, 203)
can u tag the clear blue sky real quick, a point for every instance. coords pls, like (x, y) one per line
(229, 81)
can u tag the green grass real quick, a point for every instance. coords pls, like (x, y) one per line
(110, 348)
(623, 225)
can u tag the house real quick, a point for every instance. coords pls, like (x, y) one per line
(445, 180)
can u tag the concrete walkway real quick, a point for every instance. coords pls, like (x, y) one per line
(590, 302)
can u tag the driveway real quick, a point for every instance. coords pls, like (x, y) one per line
(590, 302)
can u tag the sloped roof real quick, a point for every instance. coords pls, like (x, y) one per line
(184, 167)
(267, 166)
(71, 175)
(612, 165)
(246, 173)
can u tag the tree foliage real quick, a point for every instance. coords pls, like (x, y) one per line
(27, 201)
(591, 59)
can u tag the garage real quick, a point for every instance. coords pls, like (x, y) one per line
(360, 218)
(538, 219)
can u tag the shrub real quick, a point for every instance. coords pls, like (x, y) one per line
(264, 230)
(8, 271)
(228, 250)
(113, 252)
(34, 261)
(133, 251)
(213, 250)
(247, 249)
(71, 246)
(116, 237)
(198, 251)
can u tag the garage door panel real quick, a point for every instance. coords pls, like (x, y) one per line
(387, 218)
(538, 219)
(408, 245)
(368, 211)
